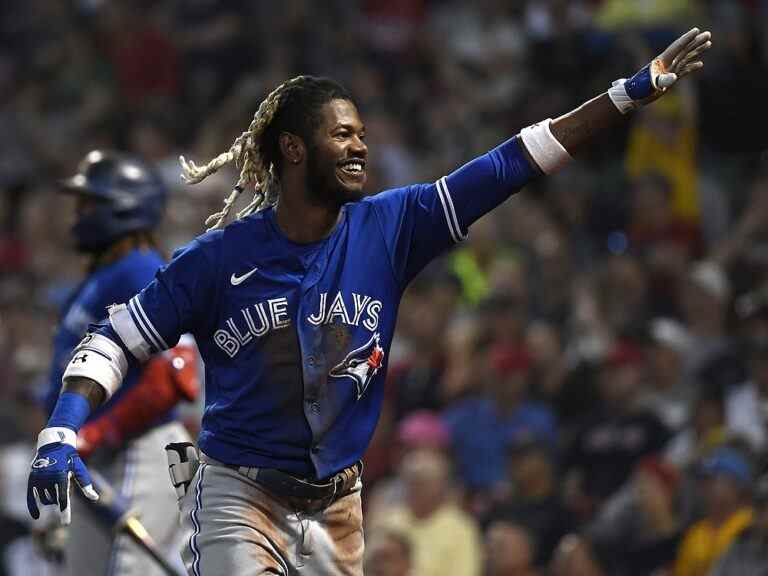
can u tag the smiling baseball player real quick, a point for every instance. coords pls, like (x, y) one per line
(293, 306)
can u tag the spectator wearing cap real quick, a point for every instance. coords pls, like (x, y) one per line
(637, 531)
(727, 478)
(422, 429)
(535, 503)
(746, 405)
(482, 426)
(616, 435)
(704, 300)
(749, 553)
(445, 539)
(669, 395)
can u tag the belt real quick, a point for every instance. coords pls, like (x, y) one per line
(301, 493)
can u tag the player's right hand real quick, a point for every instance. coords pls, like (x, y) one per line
(50, 476)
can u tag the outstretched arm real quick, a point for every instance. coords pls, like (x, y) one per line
(431, 217)
(578, 127)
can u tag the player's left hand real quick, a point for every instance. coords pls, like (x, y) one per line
(679, 59)
(50, 476)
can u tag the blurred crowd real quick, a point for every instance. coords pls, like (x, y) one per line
(581, 388)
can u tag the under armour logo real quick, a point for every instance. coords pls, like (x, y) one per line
(80, 358)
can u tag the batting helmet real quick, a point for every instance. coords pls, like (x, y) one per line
(129, 195)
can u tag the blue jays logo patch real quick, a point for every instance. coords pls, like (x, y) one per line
(361, 365)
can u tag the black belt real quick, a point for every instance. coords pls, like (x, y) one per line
(301, 493)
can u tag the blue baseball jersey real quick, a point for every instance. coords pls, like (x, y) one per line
(115, 282)
(295, 337)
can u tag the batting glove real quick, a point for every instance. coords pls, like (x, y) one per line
(55, 463)
(678, 60)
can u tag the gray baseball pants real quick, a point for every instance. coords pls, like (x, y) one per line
(139, 473)
(239, 529)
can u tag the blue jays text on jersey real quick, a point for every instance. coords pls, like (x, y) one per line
(259, 319)
(114, 282)
(295, 337)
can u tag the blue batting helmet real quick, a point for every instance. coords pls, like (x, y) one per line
(130, 196)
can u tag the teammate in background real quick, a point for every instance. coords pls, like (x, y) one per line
(293, 307)
(119, 201)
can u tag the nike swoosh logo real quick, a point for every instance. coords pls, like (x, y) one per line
(235, 279)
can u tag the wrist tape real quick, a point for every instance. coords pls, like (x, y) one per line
(56, 434)
(628, 95)
(618, 95)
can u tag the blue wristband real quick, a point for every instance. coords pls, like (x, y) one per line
(640, 86)
(71, 411)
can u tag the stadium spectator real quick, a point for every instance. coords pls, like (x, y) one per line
(482, 425)
(704, 432)
(616, 435)
(745, 412)
(668, 394)
(419, 430)
(726, 487)
(704, 299)
(574, 557)
(749, 552)
(535, 504)
(388, 553)
(445, 539)
(637, 531)
(509, 550)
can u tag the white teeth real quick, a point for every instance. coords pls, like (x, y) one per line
(353, 167)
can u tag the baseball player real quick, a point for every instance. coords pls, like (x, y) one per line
(119, 201)
(293, 306)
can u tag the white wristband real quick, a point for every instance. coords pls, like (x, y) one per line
(618, 95)
(98, 358)
(56, 434)
(544, 148)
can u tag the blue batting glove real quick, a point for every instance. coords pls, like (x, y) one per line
(55, 463)
(680, 58)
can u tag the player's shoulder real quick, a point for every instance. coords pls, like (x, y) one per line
(205, 245)
(213, 245)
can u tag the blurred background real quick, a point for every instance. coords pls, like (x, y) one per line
(579, 389)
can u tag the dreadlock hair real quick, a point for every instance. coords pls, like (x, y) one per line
(294, 106)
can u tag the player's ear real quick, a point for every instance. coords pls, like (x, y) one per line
(292, 148)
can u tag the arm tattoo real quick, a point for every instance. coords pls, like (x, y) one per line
(581, 126)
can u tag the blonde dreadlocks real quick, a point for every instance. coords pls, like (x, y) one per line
(291, 107)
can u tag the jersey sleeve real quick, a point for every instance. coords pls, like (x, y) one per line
(174, 303)
(419, 222)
